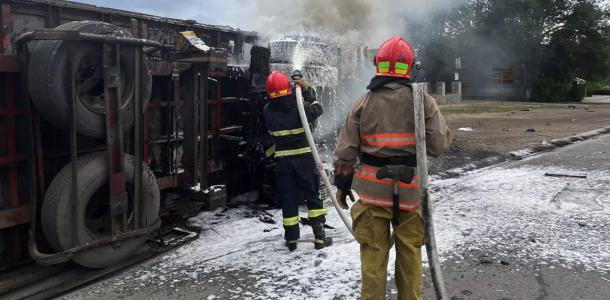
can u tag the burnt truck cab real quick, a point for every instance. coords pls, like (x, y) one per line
(109, 118)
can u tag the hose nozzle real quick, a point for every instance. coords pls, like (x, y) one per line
(418, 65)
(297, 74)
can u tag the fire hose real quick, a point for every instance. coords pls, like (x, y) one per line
(422, 168)
(316, 156)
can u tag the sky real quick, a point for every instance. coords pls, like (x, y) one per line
(349, 21)
(204, 11)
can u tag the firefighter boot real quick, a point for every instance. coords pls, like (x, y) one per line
(292, 245)
(321, 241)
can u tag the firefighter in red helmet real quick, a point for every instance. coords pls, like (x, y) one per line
(379, 132)
(296, 170)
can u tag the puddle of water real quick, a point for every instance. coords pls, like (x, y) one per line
(583, 195)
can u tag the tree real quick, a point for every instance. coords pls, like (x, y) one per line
(555, 40)
(579, 47)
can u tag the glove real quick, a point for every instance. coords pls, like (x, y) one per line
(342, 198)
(344, 188)
(303, 83)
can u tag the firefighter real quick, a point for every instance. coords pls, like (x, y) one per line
(378, 132)
(296, 171)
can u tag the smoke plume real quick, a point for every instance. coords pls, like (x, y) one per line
(364, 22)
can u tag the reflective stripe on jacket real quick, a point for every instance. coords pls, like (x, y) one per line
(284, 125)
(390, 139)
(378, 192)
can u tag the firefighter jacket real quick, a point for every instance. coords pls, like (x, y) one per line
(283, 123)
(381, 123)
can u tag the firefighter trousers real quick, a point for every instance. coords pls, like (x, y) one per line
(371, 226)
(298, 177)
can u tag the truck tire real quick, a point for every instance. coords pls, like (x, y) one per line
(93, 214)
(48, 80)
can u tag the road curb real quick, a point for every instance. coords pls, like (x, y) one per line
(523, 153)
(475, 165)
(558, 143)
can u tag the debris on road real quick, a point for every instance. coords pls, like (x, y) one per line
(266, 219)
(466, 129)
(565, 175)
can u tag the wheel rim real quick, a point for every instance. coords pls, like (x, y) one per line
(89, 82)
(97, 212)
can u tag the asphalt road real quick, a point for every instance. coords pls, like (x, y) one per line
(506, 232)
(483, 274)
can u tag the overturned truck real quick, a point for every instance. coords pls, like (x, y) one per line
(109, 119)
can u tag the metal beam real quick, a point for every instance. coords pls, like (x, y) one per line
(114, 137)
(203, 125)
(189, 121)
(138, 127)
(6, 28)
(8, 64)
(13, 217)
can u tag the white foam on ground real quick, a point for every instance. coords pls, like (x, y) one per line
(238, 243)
(510, 212)
(522, 153)
(523, 214)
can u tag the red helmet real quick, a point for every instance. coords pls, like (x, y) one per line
(278, 85)
(395, 58)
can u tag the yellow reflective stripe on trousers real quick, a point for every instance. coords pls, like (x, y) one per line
(313, 213)
(287, 132)
(292, 152)
(319, 241)
(291, 221)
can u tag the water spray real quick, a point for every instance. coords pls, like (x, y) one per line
(316, 156)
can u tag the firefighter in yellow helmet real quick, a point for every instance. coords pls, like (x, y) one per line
(379, 131)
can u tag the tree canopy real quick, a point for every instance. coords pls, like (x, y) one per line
(554, 40)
